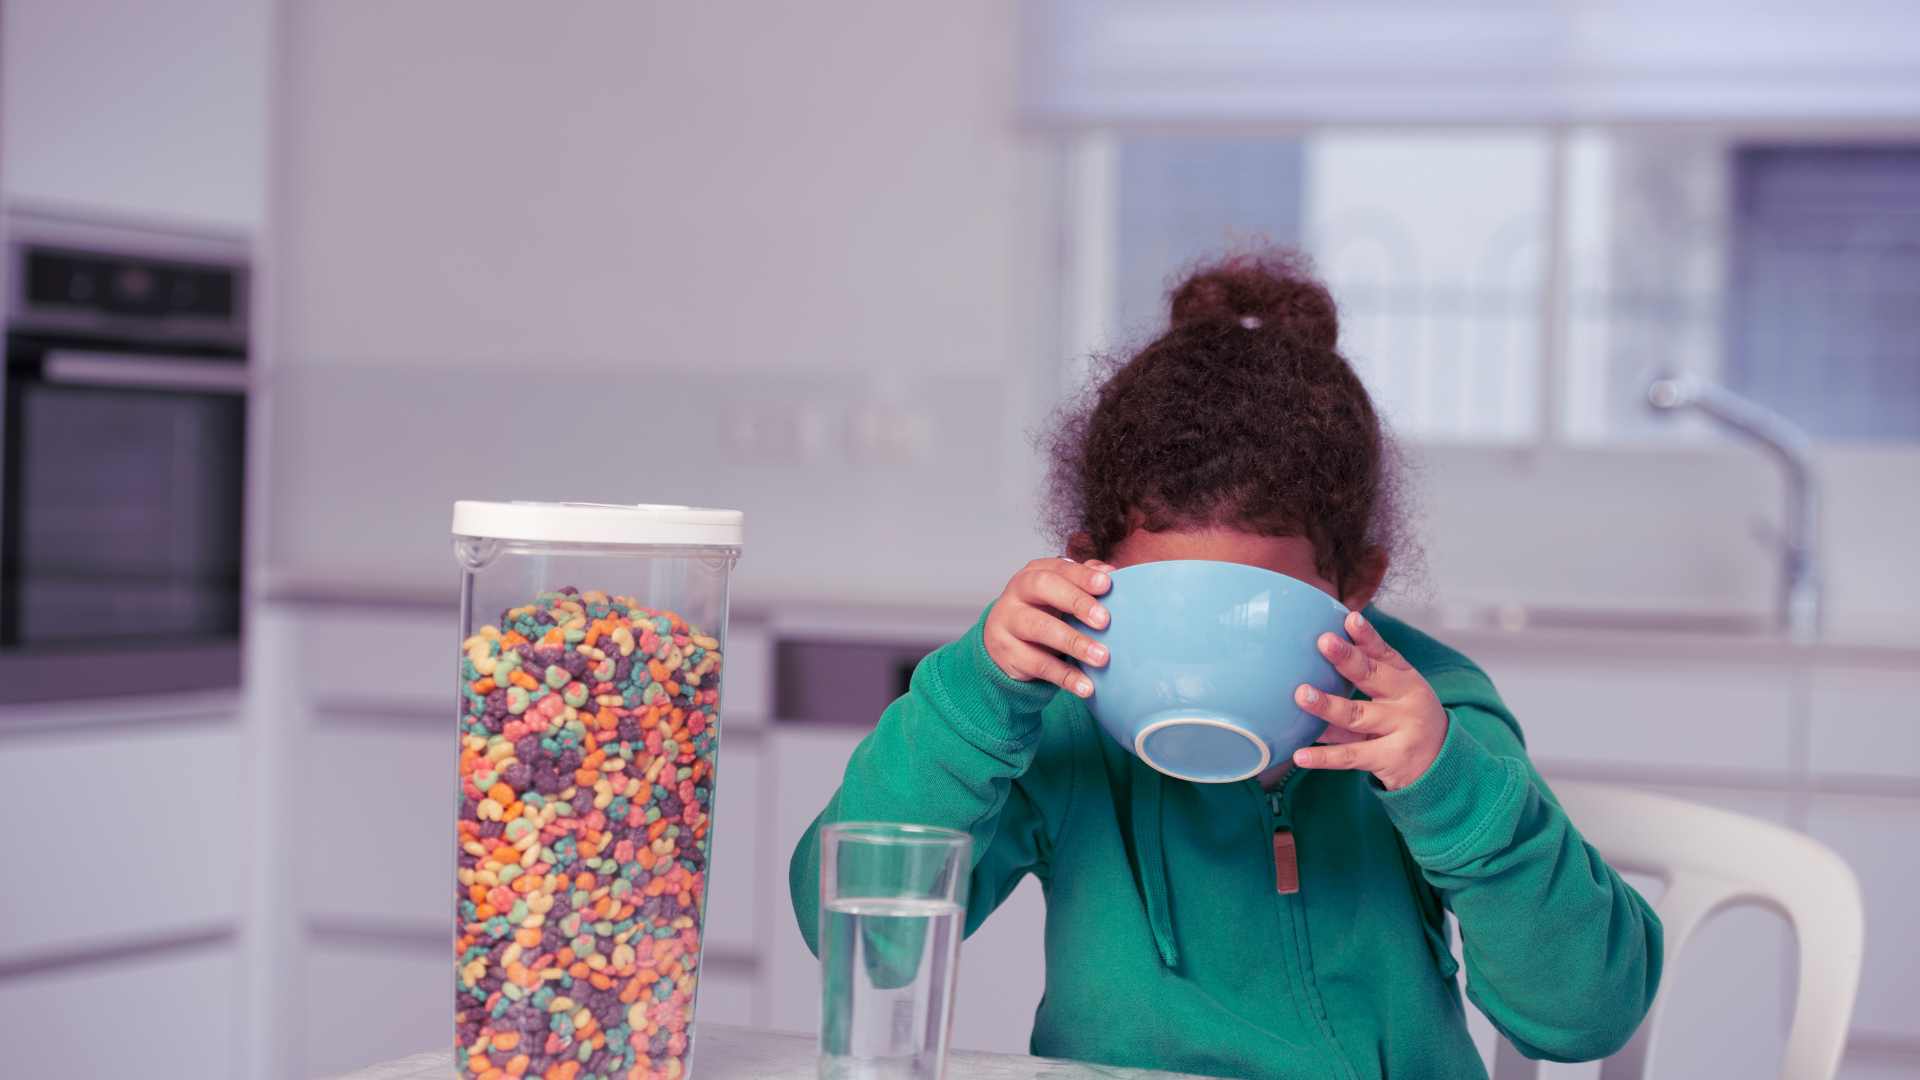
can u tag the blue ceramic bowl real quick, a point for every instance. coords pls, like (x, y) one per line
(1204, 660)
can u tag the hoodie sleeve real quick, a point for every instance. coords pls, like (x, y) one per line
(1561, 954)
(958, 750)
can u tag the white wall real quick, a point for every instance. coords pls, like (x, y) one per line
(807, 245)
(155, 111)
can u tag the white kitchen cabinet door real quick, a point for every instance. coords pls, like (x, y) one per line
(373, 814)
(368, 1001)
(809, 764)
(402, 660)
(1876, 837)
(1866, 722)
(740, 857)
(170, 1014)
(1003, 973)
(131, 834)
(746, 683)
(727, 996)
(1673, 713)
(153, 111)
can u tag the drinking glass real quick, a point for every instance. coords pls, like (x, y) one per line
(893, 907)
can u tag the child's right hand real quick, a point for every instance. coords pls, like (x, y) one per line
(1026, 634)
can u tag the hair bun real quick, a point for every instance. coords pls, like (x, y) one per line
(1270, 290)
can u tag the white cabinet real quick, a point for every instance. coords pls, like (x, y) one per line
(131, 834)
(1865, 722)
(175, 1013)
(373, 813)
(154, 111)
(1631, 709)
(741, 857)
(364, 1001)
(1876, 836)
(811, 763)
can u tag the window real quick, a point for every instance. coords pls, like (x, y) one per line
(1509, 285)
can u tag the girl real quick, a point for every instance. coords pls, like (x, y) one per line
(1289, 927)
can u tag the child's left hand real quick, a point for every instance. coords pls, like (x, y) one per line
(1396, 735)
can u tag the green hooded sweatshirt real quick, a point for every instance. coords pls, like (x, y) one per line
(1168, 943)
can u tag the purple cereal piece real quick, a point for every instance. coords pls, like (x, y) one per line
(517, 776)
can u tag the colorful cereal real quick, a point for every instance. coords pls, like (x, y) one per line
(588, 737)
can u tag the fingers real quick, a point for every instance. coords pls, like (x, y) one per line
(1362, 634)
(1068, 587)
(1366, 754)
(1367, 661)
(1036, 626)
(1360, 717)
(1033, 662)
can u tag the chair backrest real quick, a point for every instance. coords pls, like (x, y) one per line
(1710, 859)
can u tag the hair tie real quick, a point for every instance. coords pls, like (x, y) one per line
(1251, 322)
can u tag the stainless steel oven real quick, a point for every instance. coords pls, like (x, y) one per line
(122, 461)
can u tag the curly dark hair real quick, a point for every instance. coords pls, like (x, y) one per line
(1242, 415)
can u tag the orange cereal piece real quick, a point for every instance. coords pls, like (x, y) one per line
(506, 1040)
(517, 1065)
(484, 685)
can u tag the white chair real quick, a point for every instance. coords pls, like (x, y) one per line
(1710, 859)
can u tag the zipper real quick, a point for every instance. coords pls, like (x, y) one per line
(1292, 914)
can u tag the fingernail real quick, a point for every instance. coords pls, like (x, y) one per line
(1302, 758)
(1097, 654)
(1332, 645)
(1360, 621)
(1083, 687)
(1308, 695)
(1098, 615)
(1099, 581)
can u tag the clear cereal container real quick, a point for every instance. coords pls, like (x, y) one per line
(592, 645)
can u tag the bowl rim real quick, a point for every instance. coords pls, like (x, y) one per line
(1236, 567)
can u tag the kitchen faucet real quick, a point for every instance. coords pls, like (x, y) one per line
(1799, 606)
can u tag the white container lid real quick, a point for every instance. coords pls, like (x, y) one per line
(599, 523)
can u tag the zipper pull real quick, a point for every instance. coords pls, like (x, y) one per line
(1286, 862)
(1286, 859)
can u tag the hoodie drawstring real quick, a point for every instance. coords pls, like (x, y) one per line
(1150, 851)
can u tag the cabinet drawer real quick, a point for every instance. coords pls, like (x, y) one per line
(739, 858)
(727, 997)
(173, 1014)
(397, 658)
(128, 834)
(374, 814)
(1642, 711)
(374, 1001)
(1866, 722)
(1876, 836)
(747, 681)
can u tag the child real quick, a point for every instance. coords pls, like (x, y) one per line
(1184, 930)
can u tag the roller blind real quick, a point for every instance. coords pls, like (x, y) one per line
(1504, 61)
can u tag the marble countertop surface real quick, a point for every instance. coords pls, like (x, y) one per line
(730, 1053)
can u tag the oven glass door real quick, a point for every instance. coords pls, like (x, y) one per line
(123, 502)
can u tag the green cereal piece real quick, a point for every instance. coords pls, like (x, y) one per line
(574, 635)
(512, 870)
(517, 700)
(576, 694)
(557, 676)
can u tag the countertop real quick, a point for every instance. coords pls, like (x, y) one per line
(1468, 626)
(728, 1053)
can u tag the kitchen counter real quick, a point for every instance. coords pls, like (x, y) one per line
(728, 1053)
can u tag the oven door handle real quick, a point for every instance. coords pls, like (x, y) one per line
(145, 371)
